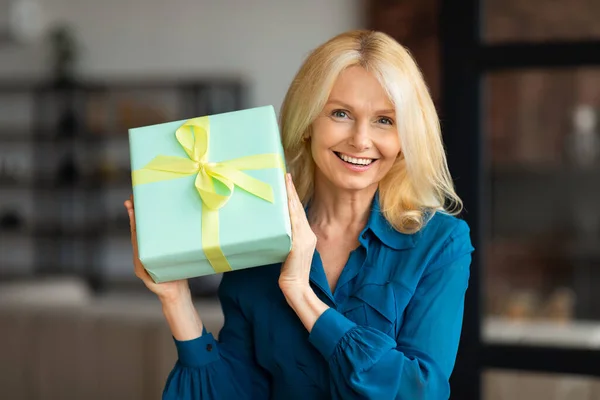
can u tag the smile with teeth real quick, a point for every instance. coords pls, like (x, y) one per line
(354, 160)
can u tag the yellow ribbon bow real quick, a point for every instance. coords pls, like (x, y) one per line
(193, 136)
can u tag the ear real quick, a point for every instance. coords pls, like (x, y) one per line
(307, 134)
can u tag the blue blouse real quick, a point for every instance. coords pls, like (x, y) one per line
(391, 332)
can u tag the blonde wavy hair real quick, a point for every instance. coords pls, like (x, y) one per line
(419, 182)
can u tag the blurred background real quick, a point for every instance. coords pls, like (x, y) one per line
(517, 85)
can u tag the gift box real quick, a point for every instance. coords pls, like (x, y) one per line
(209, 194)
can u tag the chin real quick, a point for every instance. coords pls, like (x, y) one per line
(353, 183)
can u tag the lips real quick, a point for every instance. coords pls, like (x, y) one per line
(355, 160)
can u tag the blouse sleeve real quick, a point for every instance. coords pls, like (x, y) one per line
(223, 369)
(368, 364)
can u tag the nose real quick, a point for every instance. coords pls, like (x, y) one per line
(361, 138)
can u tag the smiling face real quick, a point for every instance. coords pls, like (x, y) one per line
(354, 141)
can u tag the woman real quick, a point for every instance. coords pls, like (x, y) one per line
(369, 302)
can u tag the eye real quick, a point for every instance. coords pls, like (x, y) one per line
(339, 113)
(386, 121)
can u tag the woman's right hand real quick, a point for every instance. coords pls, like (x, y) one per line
(167, 292)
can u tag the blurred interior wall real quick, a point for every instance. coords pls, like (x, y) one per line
(264, 41)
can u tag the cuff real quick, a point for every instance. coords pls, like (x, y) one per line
(327, 332)
(197, 352)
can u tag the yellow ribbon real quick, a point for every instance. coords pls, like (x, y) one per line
(193, 136)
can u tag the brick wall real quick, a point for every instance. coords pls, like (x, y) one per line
(510, 20)
(414, 24)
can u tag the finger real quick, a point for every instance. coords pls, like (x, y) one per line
(129, 203)
(131, 213)
(289, 189)
(147, 279)
(292, 188)
(132, 226)
(139, 269)
(132, 229)
(299, 222)
(292, 204)
(141, 272)
(296, 205)
(293, 195)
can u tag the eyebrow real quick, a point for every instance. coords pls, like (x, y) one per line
(349, 107)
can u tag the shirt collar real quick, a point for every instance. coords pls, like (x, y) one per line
(382, 229)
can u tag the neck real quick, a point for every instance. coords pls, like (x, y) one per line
(339, 211)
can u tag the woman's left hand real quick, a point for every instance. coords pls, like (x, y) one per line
(295, 272)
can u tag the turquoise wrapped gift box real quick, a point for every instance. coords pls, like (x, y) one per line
(209, 194)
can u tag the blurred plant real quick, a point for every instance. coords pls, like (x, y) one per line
(10, 219)
(65, 53)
